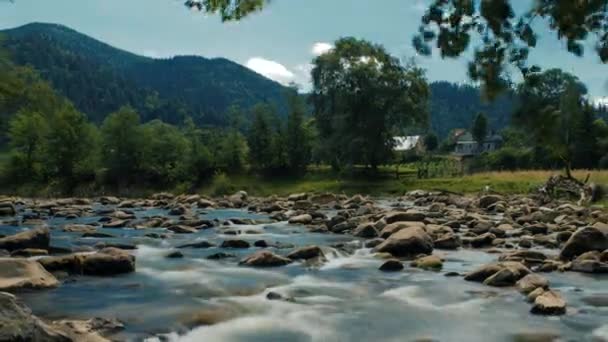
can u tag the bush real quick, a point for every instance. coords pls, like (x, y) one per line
(221, 185)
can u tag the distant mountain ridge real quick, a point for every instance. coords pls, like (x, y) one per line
(100, 78)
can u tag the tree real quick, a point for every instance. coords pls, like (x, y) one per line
(227, 9)
(361, 97)
(431, 142)
(260, 138)
(479, 130)
(551, 105)
(586, 150)
(163, 157)
(199, 163)
(71, 145)
(27, 134)
(298, 138)
(122, 145)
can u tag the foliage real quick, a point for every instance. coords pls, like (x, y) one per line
(298, 136)
(431, 142)
(506, 38)
(479, 130)
(122, 145)
(361, 96)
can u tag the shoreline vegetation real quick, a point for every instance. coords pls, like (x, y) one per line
(385, 183)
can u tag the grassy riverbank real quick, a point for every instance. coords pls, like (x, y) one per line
(323, 180)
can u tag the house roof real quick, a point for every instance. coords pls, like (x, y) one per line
(406, 143)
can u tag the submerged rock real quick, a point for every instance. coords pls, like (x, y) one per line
(235, 244)
(265, 259)
(391, 265)
(38, 238)
(429, 262)
(24, 274)
(407, 242)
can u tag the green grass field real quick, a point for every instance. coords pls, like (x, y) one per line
(519, 182)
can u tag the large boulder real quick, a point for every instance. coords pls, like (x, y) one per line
(24, 274)
(584, 240)
(38, 238)
(106, 262)
(366, 230)
(407, 242)
(18, 324)
(265, 259)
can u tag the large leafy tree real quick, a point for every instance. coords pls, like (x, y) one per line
(298, 137)
(260, 138)
(122, 145)
(361, 96)
(551, 110)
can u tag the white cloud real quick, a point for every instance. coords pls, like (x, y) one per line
(320, 48)
(601, 101)
(271, 69)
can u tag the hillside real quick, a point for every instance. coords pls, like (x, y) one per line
(99, 78)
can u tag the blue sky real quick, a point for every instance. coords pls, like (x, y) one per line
(277, 42)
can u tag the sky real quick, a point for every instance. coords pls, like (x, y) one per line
(280, 41)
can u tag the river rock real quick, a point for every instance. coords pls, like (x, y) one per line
(407, 242)
(24, 274)
(549, 303)
(505, 273)
(106, 262)
(584, 240)
(447, 241)
(391, 265)
(366, 230)
(89, 330)
(392, 228)
(531, 282)
(79, 228)
(29, 252)
(482, 240)
(306, 253)
(301, 219)
(38, 238)
(116, 224)
(18, 324)
(409, 215)
(429, 262)
(488, 200)
(265, 259)
(235, 244)
(181, 229)
(7, 209)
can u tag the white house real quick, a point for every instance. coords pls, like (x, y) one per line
(467, 146)
(406, 143)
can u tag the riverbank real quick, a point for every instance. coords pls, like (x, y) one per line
(385, 183)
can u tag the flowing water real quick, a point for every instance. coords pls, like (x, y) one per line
(345, 299)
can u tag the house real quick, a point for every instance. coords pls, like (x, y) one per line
(407, 143)
(467, 146)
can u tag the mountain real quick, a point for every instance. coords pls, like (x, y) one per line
(100, 78)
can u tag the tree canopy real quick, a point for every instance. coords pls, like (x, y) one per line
(362, 96)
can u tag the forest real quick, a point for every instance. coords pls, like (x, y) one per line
(87, 113)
